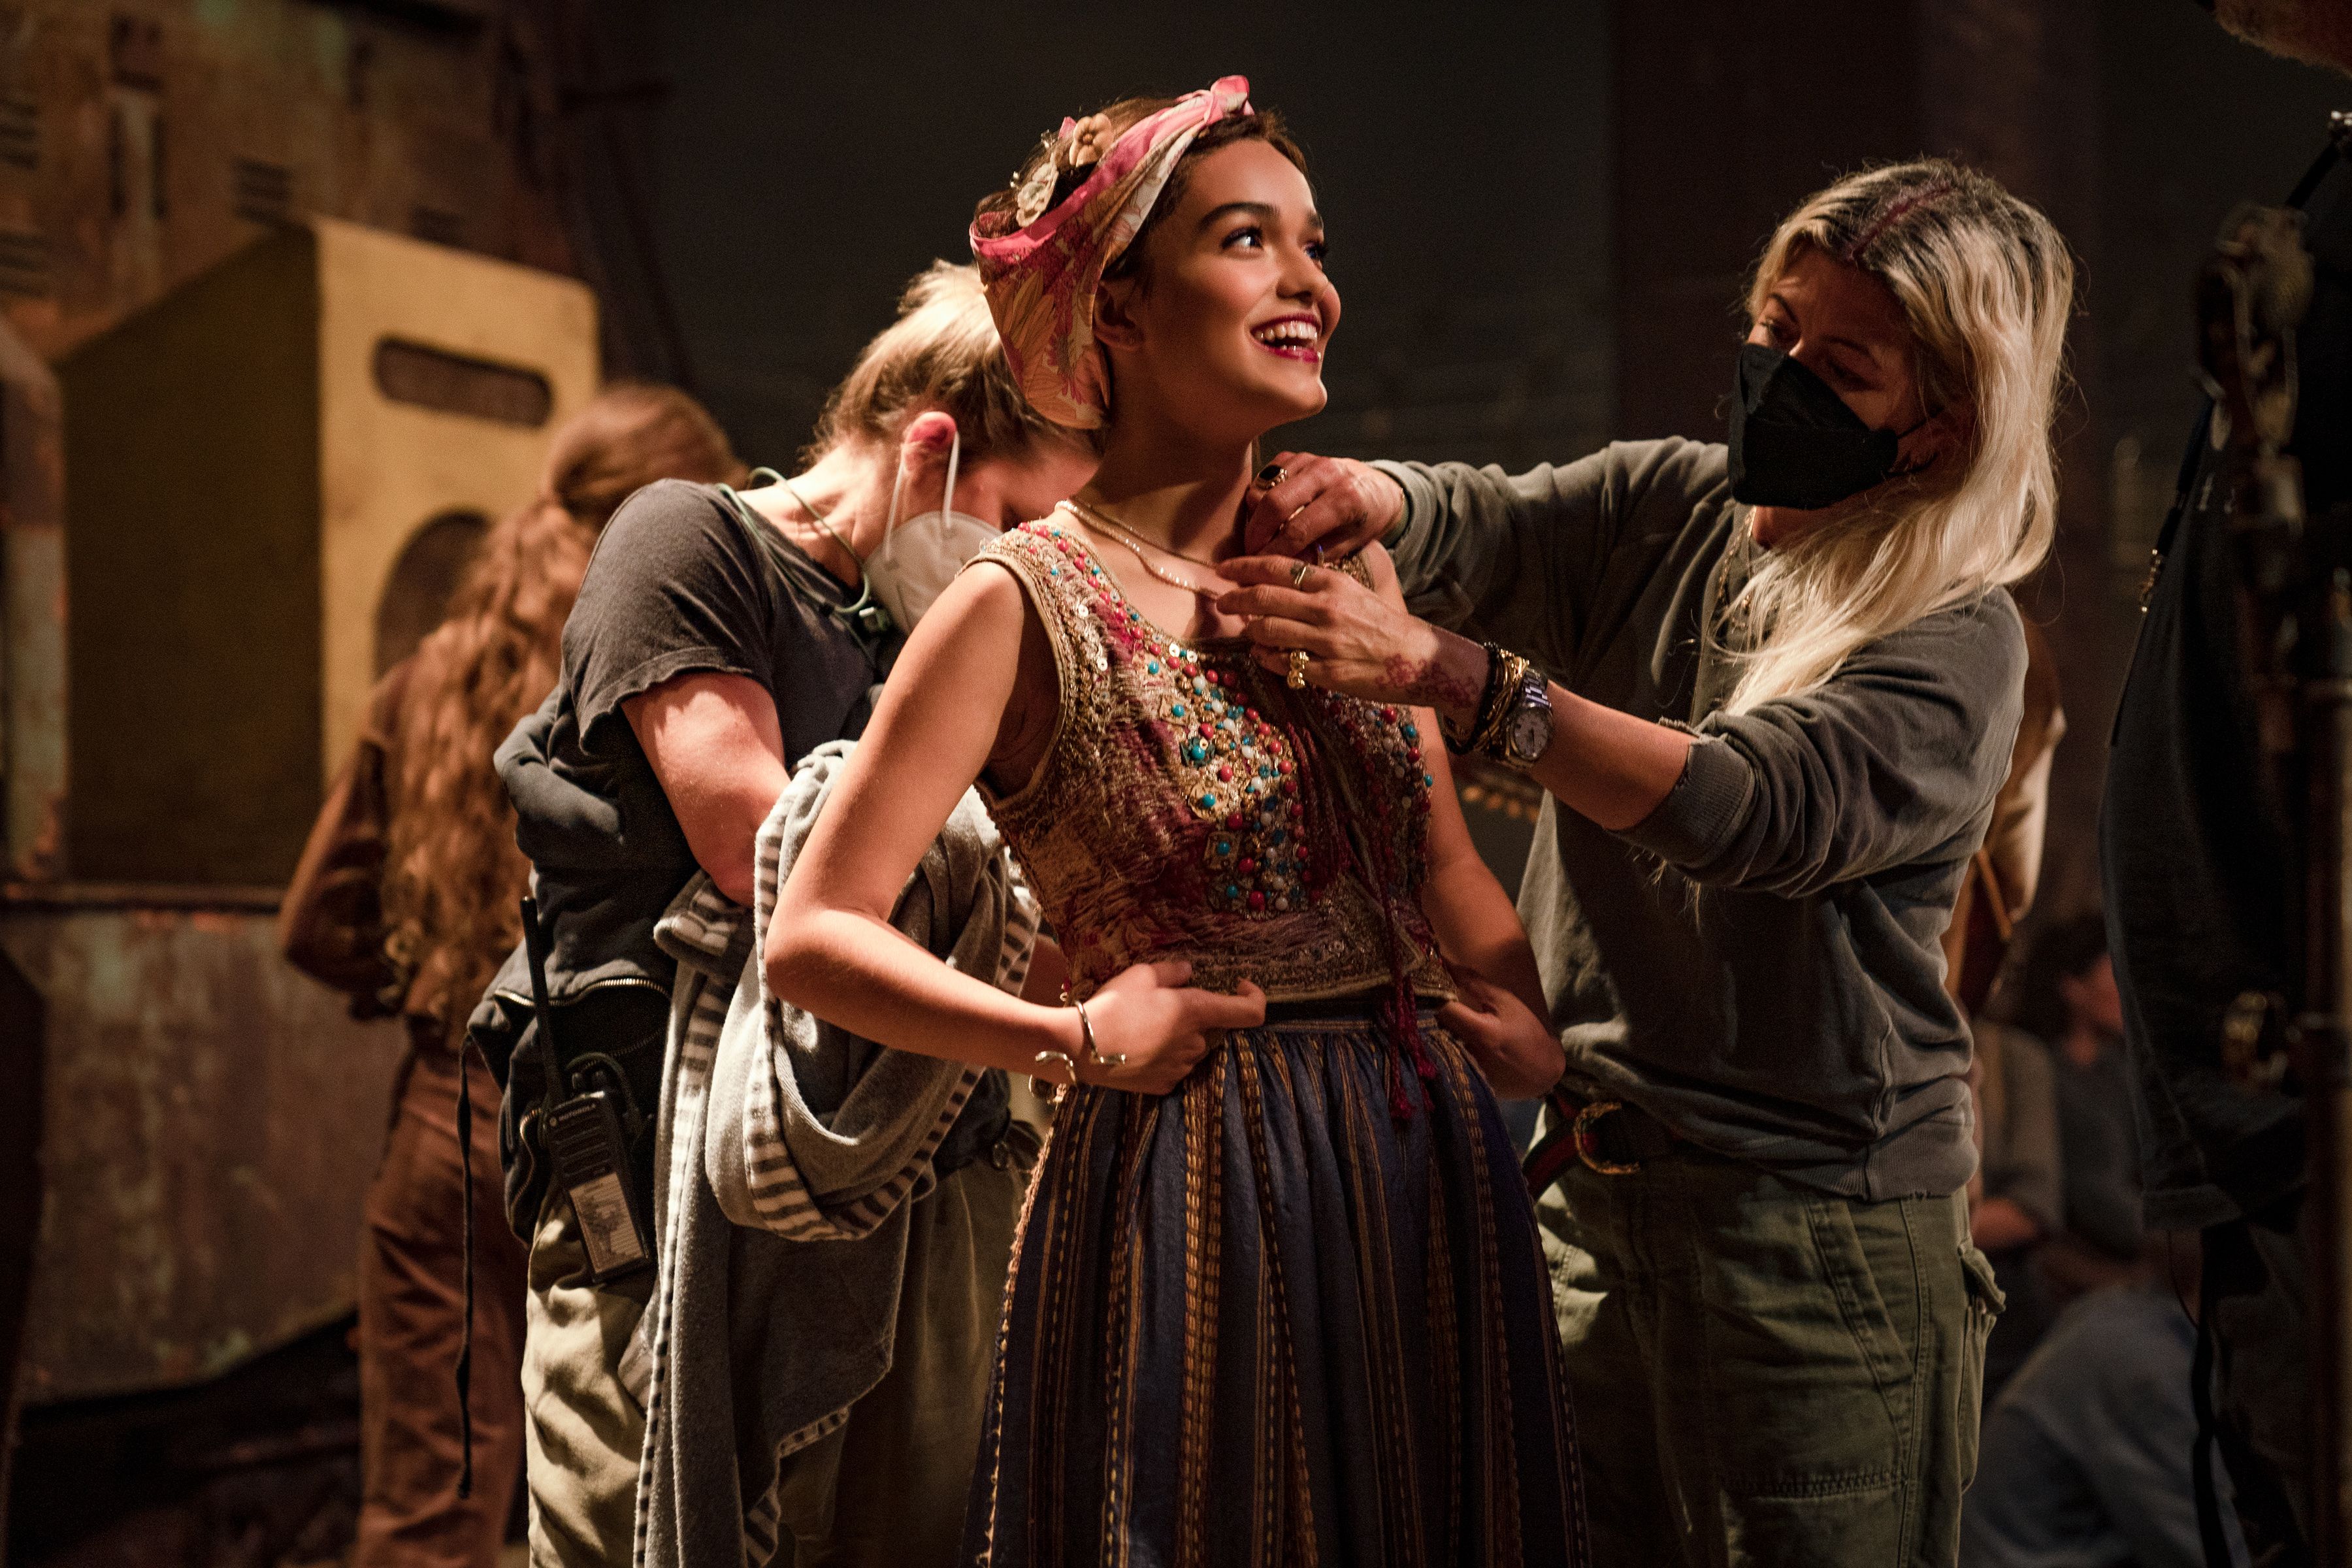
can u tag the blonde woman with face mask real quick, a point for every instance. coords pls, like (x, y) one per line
(1770, 690)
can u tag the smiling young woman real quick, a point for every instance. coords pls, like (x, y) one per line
(1278, 1295)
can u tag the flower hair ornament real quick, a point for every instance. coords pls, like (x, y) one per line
(1042, 261)
(1078, 144)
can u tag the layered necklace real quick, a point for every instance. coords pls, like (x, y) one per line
(1101, 521)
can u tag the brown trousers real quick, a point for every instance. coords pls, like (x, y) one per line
(411, 1314)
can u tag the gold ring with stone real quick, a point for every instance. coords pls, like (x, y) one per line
(1297, 676)
(1299, 572)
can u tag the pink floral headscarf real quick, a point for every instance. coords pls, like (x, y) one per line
(1041, 270)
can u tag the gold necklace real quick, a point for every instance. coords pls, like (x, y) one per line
(1100, 521)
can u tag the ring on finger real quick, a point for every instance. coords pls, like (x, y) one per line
(1294, 677)
(1299, 572)
(1273, 474)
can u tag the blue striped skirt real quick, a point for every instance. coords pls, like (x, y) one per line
(1266, 1321)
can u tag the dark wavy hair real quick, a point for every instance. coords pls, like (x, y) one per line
(452, 873)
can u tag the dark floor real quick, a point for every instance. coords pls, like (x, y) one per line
(257, 1467)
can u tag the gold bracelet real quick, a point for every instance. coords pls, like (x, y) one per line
(1086, 1051)
(1514, 670)
(1046, 1089)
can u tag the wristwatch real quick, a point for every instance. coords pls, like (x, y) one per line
(1523, 727)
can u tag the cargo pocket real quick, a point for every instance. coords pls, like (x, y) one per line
(1986, 1303)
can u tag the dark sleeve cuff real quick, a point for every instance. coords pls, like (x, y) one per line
(599, 710)
(1701, 813)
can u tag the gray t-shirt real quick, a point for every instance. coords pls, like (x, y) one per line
(684, 581)
(1757, 963)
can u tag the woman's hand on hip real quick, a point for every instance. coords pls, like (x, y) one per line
(1162, 1026)
(1320, 508)
(1515, 1048)
(1358, 641)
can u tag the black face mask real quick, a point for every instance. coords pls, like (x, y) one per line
(1794, 442)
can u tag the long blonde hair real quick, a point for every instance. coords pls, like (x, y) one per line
(452, 872)
(1986, 285)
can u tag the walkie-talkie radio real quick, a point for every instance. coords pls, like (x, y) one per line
(585, 1134)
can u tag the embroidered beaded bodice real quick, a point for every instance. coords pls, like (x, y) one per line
(1191, 806)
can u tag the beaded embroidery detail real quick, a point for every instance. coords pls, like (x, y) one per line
(1191, 806)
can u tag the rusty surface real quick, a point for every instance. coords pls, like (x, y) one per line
(213, 1121)
(32, 615)
(165, 134)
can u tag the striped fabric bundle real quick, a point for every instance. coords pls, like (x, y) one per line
(789, 1163)
(776, 1123)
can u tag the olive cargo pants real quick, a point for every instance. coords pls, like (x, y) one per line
(1767, 1373)
(887, 1488)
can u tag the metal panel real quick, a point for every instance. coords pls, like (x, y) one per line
(32, 616)
(213, 1121)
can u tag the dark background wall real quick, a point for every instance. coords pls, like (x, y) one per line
(809, 158)
(1541, 215)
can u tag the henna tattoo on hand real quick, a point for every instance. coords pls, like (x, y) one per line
(1425, 682)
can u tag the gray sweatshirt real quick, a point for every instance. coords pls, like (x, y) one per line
(1757, 963)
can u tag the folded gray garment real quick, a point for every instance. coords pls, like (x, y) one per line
(814, 1133)
(789, 1150)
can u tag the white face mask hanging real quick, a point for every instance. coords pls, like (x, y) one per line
(920, 557)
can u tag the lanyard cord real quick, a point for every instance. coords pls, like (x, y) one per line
(863, 612)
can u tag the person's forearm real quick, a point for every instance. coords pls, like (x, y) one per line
(1477, 928)
(865, 975)
(1603, 764)
(1608, 766)
(723, 837)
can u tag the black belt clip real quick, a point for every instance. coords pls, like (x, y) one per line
(587, 1134)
